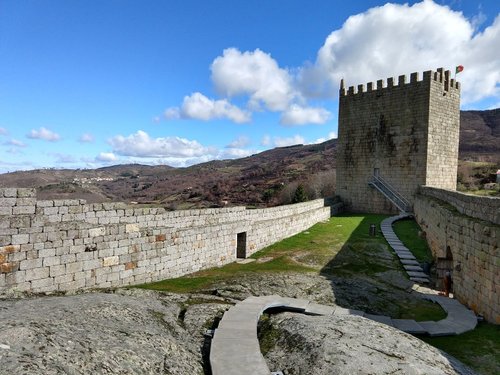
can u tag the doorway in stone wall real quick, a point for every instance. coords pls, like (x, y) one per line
(444, 265)
(241, 245)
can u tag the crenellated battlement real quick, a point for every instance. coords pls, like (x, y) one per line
(440, 76)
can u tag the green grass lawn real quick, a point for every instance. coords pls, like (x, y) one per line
(479, 349)
(316, 247)
(407, 231)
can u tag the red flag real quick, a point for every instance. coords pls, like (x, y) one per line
(459, 68)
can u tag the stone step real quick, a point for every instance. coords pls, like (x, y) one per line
(417, 274)
(412, 268)
(401, 252)
(409, 262)
(420, 280)
(407, 256)
(400, 248)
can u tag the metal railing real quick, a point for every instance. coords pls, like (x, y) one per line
(390, 193)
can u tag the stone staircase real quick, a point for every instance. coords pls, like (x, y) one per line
(407, 259)
(390, 193)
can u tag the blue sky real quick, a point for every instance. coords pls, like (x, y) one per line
(85, 84)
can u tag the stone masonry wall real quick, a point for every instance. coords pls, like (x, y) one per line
(406, 132)
(473, 241)
(443, 132)
(67, 245)
(484, 208)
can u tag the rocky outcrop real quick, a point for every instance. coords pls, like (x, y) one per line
(343, 345)
(128, 332)
(145, 332)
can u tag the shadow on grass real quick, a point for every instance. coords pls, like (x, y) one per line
(366, 274)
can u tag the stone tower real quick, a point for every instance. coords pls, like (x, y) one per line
(397, 137)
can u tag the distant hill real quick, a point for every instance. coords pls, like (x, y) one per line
(480, 135)
(267, 178)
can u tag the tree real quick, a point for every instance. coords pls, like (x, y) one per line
(300, 195)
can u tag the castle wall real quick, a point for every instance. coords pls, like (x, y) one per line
(405, 131)
(68, 245)
(470, 228)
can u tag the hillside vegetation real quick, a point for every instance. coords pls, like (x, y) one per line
(265, 179)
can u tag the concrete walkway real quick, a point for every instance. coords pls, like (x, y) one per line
(235, 346)
(407, 259)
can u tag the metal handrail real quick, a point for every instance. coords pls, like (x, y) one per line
(380, 183)
(394, 191)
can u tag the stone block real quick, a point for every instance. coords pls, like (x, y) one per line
(9, 192)
(9, 249)
(23, 210)
(26, 202)
(91, 264)
(19, 239)
(45, 203)
(5, 210)
(94, 232)
(49, 252)
(26, 193)
(57, 270)
(130, 228)
(51, 261)
(110, 261)
(130, 265)
(31, 264)
(37, 273)
(74, 267)
(160, 237)
(7, 202)
(9, 267)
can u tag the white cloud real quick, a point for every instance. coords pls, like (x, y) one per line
(288, 141)
(331, 135)
(86, 138)
(172, 113)
(63, 158)
(298, 115)
(198, 106)
(3, 131)
(15, 142)
(255, 74)
(239, 142)
(266, 140)
(174, 151)
(106, 157)
(142, 145)
(396, 39)
(234, 153)
(18, 165)
(44, 134)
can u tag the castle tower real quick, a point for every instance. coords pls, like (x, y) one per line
(397, 137)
